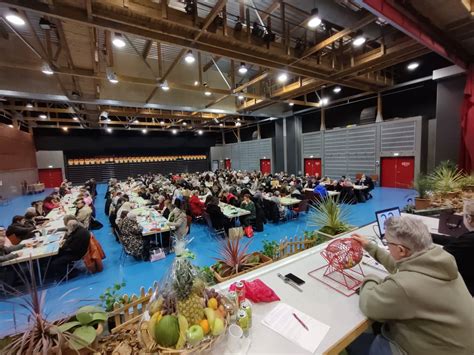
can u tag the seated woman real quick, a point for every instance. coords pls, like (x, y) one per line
(18, 231)
(73, 248)
(29, 219)
(7, 273)
(423, 302)
(132, 239)
(49, 204)
(248, 205)
(196, 205)
(218, 218)
(462, 247)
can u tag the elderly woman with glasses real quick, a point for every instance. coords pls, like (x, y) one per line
(423, 302)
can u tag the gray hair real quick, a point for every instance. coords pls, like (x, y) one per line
(410, 232)
(72, 225)
(132, 216)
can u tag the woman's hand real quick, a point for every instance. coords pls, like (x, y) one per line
(363, 240)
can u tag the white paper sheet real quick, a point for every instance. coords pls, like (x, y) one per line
(282, 321)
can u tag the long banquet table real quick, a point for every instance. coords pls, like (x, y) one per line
(317, 300)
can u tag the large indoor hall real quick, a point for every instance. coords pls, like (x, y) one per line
(237, 177)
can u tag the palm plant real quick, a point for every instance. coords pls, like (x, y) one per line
(446, 177)
(468, 180)
(330, 216)
(233, 257)
(422, 185)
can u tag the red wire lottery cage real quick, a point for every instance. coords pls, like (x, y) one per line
(342, 272)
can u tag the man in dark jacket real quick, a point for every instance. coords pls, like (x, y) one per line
(7, 273)
(218, 218)
(17, 231)
(462, 247)
(74, 247)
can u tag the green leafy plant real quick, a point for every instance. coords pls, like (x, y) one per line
(467, 180)
(330, 216)
(111, 296)
(446, 177)
(83, 326)
(422, 185)
(270, 248)
(207, 275)
(316, 237)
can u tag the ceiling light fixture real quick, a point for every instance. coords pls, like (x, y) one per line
(200, 132)
(196, 83)
(241, 97)
(45, 24)
(75, 118)
(111, 75)
(46, 69)
(243, 69)
(135, 121)
(185, 123)
(14, 18)
(314, 20)
(65, 129)
(144, 131)
(238, 124)
(189, 58)
(336, 90)
(10, 125)
(221, 125)
(162, 123)
(28, 105)
(413, 65)
(43, 116)
(359, 39)
(109, 130)
(118, 40)
(165, 86)
(174, 131)
(324, 101)
(207, 93)
(291, 104)
(282, 77)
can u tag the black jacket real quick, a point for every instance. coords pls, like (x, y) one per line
(76, 243)
(20, 230)
(462, 248)
(218, 218)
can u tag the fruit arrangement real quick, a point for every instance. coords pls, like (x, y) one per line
(184, 314)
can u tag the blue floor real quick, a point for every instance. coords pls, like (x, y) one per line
(63, 299)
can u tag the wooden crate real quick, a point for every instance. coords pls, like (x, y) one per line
(132, 309)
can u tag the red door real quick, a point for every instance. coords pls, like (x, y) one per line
(265, 166)
(50, 177)
(227, 164)
(312, 166)
(398, 172)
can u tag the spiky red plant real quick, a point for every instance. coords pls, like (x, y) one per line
(233, 256)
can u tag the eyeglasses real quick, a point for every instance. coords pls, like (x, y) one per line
(396, 244)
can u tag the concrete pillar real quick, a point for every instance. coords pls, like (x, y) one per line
(323, 119)
(379, 117)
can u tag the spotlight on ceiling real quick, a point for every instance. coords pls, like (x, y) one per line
(337, 89)
(65, 129)
(14, 18)
(282, 77)
(324, 101)
(238, 124)
(243, 69)
(118, 40)
(200, 132)
(241, 97)
(135, 121)
(104, 115)
(10, 125)
(291, 104)
(221, 125)
(413, 65)
(162, 123)
(174, 131)
(165, 86)
(75, 118)
(111, 75)
(359, 39)
(109, 130)
(189, 57)
(43, 116)
(29, 105)
(185, 123)
(196, 83)
(45, 24)
(207, 93)
(314, 20)
(144, 131)
(46, 69)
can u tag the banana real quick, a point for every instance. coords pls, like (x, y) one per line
(156, 306)
(183, 327)
(154, 320)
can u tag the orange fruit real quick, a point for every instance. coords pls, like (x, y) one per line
(205, 326)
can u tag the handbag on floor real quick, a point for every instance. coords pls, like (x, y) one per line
(157, 254)
(95, 224)
(236, 233)
(248, 231)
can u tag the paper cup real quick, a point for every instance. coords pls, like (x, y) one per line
(234, 340)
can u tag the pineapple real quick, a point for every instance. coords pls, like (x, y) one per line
(189, 303)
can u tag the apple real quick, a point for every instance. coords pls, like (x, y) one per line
(194, 334)
(218, 328)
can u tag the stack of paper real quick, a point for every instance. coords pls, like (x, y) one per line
(282, 321)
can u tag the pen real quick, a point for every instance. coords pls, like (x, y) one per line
(301, 322)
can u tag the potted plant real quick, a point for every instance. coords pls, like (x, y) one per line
(422, 185)
(467, 183)
(331, 217)
(234, 260)
(270, 248)
(85, 327)
(446, 179)
(112, 296)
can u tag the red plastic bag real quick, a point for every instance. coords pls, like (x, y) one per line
(248, 231)
(257, 291)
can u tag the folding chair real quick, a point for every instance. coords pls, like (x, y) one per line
(214, 233)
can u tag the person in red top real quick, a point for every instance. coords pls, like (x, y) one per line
(50, 204)
(197, 206)
(230, 198)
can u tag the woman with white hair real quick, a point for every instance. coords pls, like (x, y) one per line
(462, 248)
(132, 239)
(423, 303)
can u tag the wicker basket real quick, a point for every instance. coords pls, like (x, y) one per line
(151, 347)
